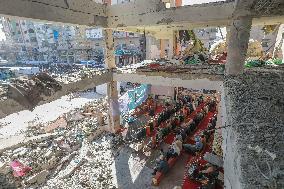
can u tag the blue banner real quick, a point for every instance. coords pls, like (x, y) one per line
(133, 98)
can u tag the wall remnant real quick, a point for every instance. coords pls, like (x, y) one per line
(254, 136)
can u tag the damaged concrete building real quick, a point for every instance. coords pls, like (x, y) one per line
(250, 108)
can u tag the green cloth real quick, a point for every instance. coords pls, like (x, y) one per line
(261, 63)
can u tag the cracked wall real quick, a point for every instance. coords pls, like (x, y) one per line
(254, 137)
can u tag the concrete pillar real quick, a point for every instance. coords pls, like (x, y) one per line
(162, 48)
(177, 45)
(112, 93)
(149, 41)
(278, 40)
(109, 53)
(171, 46)
(114, 112)
(253, 153)
(238, 44)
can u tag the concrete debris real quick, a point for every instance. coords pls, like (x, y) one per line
(168, 67)
(4, 168)
(50, 164)
(39, 178)
(29, 91)
(70, 146)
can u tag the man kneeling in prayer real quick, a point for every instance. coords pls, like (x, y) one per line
(208, 176)
(194, 148)
(174, 149)
(161, 165)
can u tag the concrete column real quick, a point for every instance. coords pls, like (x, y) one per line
(112, 93)
(109, 53)
(253, 153)
(114, 112)
(162, 48)
(148, 47)
(278, 40)
(238, 45)
(171, 46)
(177, 44)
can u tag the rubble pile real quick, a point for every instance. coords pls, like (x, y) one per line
(3, 92)
(217, 144)
(29, 91)
(70, 151)
(92, 164)
(71, 77)
(193, 69)
(82, 121)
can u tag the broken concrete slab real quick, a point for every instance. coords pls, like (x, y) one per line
(4, 168)
(38, 178)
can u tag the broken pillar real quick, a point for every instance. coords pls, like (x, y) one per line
(171, 46)
(253, 149)
(114, 112)
(254, 109)
(112, 93)
(238, 39)
(109, 53)
(148, 47)
(162, 48)
(177, 46)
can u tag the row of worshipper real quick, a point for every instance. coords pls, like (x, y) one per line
(162, 117)
(206, 174)
(181, 136)
(173, 123)
(186, 128)
(170, 109)
(162, 164)
(202, 139)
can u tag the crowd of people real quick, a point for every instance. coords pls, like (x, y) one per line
(172, 115)
(207, 174)
(180, 118)
(180, 141)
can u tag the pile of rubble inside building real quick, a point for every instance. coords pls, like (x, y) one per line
(74, 141)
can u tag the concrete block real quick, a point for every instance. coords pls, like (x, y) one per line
(4, 168)
(38, 178)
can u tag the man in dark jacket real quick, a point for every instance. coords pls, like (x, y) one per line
(161, 166)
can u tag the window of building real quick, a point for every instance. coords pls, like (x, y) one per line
(214, 30)
(25, 32)
(17, 24)
(31, 31)
(33, 39)
(19, 32)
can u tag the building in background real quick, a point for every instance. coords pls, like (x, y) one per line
(33, 42)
